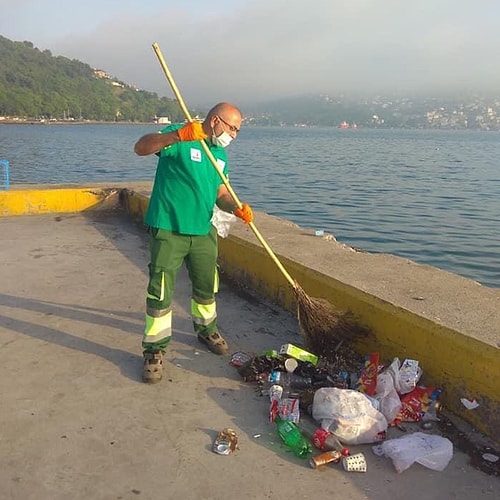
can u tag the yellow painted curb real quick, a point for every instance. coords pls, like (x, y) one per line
(52, 200)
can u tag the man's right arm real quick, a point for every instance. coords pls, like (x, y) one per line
(152, 143)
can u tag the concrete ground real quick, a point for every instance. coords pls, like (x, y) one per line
(76, 422)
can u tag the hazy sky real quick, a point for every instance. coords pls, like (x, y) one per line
(250, 50)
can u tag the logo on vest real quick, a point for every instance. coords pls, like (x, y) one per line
(195, 155)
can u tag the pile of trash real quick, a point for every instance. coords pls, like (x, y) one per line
(352, 401)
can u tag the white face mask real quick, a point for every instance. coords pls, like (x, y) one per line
(223, 140)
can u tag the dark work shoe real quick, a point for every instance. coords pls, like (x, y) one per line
(214, 342)
(153, 367)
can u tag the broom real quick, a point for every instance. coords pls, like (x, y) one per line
(319, 323)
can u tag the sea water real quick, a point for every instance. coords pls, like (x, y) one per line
(432, 196)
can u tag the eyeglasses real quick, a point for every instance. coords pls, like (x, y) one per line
(232, 128)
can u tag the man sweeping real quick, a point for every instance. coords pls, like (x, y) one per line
(179, 214)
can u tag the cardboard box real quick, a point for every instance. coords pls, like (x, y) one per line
(298, 353)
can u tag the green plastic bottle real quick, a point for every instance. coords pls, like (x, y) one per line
(293, 438)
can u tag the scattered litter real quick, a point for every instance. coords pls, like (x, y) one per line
(387, 396)
(367, 382)
(225, 442)
(325, 458)
(239, 358)
(354, 463)
(319, 232)
(291, 365)
(429, 450)
(291, 435)
(416, 404)
(299, 353)
(350, 414)
(326, 441)
(405, 376)
(470, 404)
(489, 457)
(285, 407)
(352, 399)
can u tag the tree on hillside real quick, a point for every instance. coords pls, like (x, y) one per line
(35, 84)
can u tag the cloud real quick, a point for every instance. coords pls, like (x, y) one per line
(243, 51)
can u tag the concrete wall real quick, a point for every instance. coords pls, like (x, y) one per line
(450, 324)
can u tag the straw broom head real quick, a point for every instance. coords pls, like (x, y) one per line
(322, 327)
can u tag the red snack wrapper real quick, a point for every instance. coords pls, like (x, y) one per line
(414, 405)
(367, 382)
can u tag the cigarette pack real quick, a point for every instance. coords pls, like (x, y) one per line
(299, 353)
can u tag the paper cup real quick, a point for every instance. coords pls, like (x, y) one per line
(354, 463)
(291, 364)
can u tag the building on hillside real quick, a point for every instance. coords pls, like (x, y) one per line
(162, 120)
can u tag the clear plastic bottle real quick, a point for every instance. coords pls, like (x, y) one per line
(290, 381)
(293, 438)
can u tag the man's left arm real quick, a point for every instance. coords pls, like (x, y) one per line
(226, 202)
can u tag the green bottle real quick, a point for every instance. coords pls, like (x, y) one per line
(293, 438)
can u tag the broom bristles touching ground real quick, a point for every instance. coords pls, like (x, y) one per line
(322, 327)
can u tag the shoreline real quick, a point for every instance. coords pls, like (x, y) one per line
(71, 122)
(101, 122)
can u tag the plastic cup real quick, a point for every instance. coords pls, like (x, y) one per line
(291, 364)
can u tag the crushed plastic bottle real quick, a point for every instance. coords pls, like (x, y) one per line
(290, 381)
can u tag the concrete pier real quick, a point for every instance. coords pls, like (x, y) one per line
(77, 422)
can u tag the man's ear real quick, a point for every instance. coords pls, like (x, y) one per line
(214, 121)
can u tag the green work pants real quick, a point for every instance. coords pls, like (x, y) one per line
(168, 251)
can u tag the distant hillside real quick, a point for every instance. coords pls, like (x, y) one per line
(445, 112)
(318, 110)
(35, 84)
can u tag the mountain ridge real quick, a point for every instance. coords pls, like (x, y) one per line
(36, 85)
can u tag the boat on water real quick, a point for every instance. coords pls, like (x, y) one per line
(346, 125)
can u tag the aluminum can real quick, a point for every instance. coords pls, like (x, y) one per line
(325, 458)
(225, 442)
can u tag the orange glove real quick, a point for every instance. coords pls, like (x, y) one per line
(244, 213)
(193, 131)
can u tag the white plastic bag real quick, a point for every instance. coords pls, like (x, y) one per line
(405, 376)
(386, 395)
(222, 221)
(429, 450)
(349, 415)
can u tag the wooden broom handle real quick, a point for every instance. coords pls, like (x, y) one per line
(212, 159)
